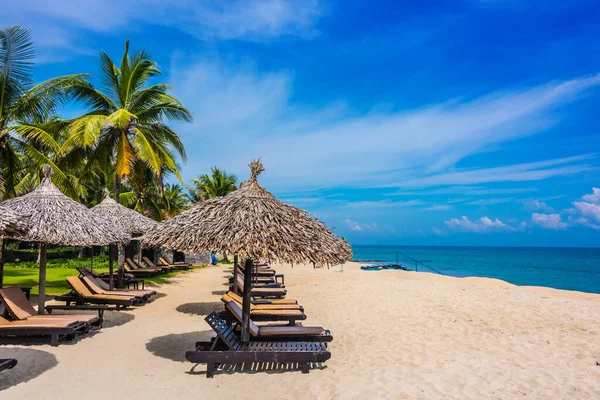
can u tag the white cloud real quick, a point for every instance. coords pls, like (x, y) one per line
(369, 227)
(535, 205)
(227, 19)
(549, 221)
(594, 197)
(483, 224)
(590, 210)
(251, 112)
(353, 225)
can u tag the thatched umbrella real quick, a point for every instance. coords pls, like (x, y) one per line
(10, 224)
(127, 220)
(57, 219)
(254, 225)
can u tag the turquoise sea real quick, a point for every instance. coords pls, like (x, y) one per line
(561, 268)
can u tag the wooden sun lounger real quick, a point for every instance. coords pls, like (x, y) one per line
(7, 363)
(181, 264)
(80, 294)
(226, 348)
(263, 291)
(308, 333)
(270, 312)
(129, 279)
(131, 268)
(134, 292)
(138, 266)
(141, 296)
(282, 304)
(55, 329)
(150, 264)
(21, 309)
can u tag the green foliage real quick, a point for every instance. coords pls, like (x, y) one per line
(219, 183)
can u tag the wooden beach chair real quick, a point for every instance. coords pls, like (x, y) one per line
(7, 363)
(131, 268)
(138, 266)
(80, 294)
(150, 264)
(164, 262)
(141, 295)
(269, 313)
(226, 348)
(134, 292)
(281, 304)
(21, 309)
(55, 329)
(263, 292)
(307, 333)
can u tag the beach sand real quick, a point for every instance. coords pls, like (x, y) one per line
(397, 335)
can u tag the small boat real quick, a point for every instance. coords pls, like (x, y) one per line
(379, 267)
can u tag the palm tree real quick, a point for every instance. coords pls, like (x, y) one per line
(173, 201)
(218, 183)
(126, 122)
(28, 128)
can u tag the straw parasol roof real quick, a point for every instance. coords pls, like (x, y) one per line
(251, 223)
(121, 217)
(12, 223)
(57, 219)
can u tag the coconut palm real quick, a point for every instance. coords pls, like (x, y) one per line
(173, 201)
(219, 183)
(126, 123)
(28, 128)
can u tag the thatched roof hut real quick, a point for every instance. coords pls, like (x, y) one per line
(121, 217)
(251, 223)
(125, 219)
(12, 223)
(57, 219)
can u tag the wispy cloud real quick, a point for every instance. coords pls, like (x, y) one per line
(549, 221)
(225, 19)
(438, 207)
(252, 113)
(483, 224)
(536, 205)
(438, 232)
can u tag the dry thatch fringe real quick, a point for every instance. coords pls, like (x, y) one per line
(57, 219)
(12, 223)
(121, 217)
(251, 222)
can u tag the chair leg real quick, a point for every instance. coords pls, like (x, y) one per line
(210, 370)
(54, 339)
(305, 368)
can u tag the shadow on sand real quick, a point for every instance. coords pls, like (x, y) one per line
(116, 318)
(31, 364)
(254, 368)
(175, 345)
(204, 308)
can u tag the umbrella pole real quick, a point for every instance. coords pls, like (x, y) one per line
(42, 291)
(235, 274)
(121, 263)
(247, 300)
(2, 250)
(111, 282)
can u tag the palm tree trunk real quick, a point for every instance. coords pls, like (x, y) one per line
(225, 257)
(120, 248)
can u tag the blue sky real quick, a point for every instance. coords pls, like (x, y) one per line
(443, 123)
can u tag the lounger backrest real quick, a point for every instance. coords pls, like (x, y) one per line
(148, 262)
(223, 330)
(164, 261)
(92, 285)
(131, 264)
(78, 286)
(235, 309)
(235, 297)
(17, 302)
(101, 283)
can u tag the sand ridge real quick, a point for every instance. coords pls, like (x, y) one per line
(397, 335)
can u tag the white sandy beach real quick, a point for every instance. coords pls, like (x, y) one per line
(397, 335)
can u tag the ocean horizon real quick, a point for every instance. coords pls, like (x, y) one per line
(567, 268)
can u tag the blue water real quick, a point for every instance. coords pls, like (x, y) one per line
(561, 268)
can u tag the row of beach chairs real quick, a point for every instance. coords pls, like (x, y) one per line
(88, 292)
(291, 343)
